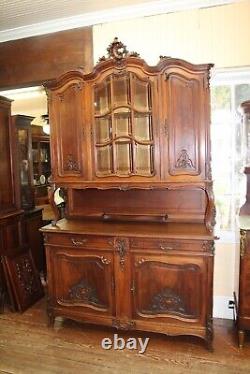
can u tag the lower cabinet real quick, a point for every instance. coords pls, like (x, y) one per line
(243, 305)
(132, 283)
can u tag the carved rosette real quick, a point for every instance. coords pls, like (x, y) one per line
(184, 161)
(167, 300)
(121, 245)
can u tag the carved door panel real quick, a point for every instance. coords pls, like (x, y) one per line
(68, 129)
(124, 128)
(184, 141)
(169, 287)
(84, 280)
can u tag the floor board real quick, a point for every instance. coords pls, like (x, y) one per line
(28, 346)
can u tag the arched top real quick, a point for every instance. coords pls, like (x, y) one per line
(119, 58)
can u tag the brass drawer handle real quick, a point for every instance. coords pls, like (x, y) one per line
(166, 248)
(78, 242)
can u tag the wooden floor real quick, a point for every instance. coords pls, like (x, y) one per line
(28, 346)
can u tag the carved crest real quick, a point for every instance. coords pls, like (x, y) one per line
(117, 51)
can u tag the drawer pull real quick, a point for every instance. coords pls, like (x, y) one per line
(78, 242)
(166, 247)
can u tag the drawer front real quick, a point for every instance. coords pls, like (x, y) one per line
(79, 241)
(169, 245)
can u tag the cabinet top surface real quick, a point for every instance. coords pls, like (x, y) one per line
(132, 229)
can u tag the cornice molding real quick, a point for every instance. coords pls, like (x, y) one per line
(110, 15)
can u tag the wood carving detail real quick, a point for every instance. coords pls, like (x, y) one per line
(84, 292)
(71, 164)
(123, 325)
(209, 246)
(184, 161)
(167, 300)
(121, 246)
(243, 237)
(25, 273)
(118, 51)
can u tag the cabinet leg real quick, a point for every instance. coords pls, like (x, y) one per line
(2, 297)
(51, 319)
(241, 337)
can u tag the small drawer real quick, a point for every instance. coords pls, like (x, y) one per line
(167, 245)
(81, 241)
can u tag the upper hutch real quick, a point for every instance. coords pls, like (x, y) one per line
(130, 148)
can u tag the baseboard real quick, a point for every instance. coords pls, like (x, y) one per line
(221, 309)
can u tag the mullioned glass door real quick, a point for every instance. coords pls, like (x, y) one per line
(123, 139)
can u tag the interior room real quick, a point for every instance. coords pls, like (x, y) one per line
(124, 186)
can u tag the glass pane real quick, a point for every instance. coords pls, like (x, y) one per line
(141, 95)
(142, 127)
(221, 98)
(144, 159)
(102, 97)
(103, 129)
(23, 156)
(104, 160)
(242, 93)
(122, 122)
(120, 90)
(123, 158)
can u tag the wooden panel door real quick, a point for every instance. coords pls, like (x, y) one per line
(81, 280)
(169, 287)
(184, 122)
(68, 143)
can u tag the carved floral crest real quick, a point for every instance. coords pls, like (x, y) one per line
(117, 51)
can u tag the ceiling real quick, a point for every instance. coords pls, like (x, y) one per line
(23, 18)
(16, 13)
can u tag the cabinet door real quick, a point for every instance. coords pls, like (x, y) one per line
(125, 140)
(68, 148)
(244, 293)
(81, 280)
(185, 111)
(169, 287)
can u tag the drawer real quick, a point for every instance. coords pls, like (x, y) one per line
(168, 245)
(79, 240)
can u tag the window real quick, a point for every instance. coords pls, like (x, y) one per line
(229, 89)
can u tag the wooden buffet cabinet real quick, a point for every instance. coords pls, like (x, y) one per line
(130, 148)
(242, 298)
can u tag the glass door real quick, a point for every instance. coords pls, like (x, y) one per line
(123, 134)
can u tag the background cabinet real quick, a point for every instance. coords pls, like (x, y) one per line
(20, 284)
(40, 164)
(22, 126)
